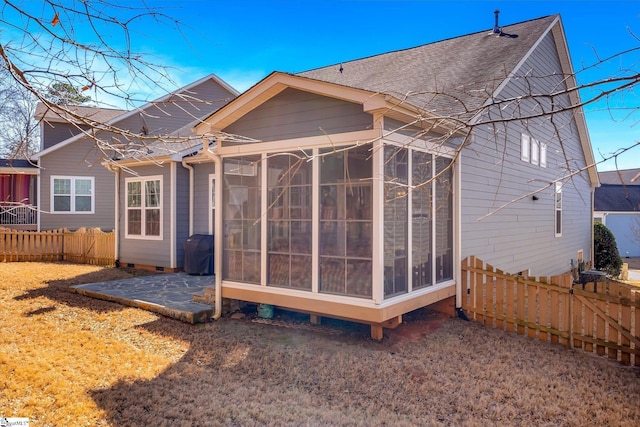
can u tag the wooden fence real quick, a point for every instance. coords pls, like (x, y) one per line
(605, 320)
(84, 246)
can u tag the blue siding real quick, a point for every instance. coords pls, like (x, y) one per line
(182, 213)
(521, 236)
(202, 196)
(155, 253)
(296, 114)
(79, 159)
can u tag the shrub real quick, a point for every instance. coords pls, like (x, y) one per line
(606, 256)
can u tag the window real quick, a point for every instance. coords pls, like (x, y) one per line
(428, 181)
(558, 209)
(524, 148)
(144, 209)
(289, 222)
(535, 151)
(72, 194)
(422, 219)
(242, 210)
(346, 222)
(396, 220)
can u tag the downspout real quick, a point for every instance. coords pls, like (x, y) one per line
(39, 202)
(217, 247)
(116, 171)
(191, 193)
(593, 244)
(457, 176)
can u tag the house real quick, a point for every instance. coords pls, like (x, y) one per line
(18, 195)
(355, 190)
(74, 189)
(617, 205)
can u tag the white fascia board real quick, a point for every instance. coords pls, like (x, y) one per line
(19, 171)
(271, 86)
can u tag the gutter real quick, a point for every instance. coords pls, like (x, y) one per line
(217, 247)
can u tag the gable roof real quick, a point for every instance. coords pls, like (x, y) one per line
(188, 143)
(617, 198)
(449, 78)
(620, 177)
(97, 114)
(136, 111)
(446, 77)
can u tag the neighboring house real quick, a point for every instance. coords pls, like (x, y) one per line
(617, 205)
(18, 194)
(75, 190)
(362, 186)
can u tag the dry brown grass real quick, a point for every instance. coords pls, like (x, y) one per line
(69, 360)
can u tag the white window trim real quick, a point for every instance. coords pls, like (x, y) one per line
(143, 236)
(535, 151)
(525, 143)
(558, 191)
(543, 155)
(72, 195)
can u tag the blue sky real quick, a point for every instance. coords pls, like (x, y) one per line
(242, 41)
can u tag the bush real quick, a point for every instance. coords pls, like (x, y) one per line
(607, 257)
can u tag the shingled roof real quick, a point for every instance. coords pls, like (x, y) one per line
(617, 198)
(467, 69)
(94, 113)
(620, 177)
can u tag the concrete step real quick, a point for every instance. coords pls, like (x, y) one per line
(206, 296)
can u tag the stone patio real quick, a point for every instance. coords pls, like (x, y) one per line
(170, 294)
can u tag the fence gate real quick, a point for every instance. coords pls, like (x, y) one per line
(605, 320)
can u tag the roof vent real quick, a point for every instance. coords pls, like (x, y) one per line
(496, 27)
(497, 30)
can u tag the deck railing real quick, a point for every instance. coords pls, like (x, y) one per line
(18, 214)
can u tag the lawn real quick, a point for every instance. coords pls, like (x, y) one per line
(70, 360)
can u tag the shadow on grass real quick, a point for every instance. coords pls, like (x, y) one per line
(40, 311)
(59, 291)
(238, 372)
(443, 372)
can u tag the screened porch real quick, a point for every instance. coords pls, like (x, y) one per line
(360, 224)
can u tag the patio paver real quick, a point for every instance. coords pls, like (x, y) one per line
(167, 294)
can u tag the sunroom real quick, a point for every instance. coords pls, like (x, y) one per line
(357, 225)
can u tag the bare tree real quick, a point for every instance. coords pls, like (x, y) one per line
(64, 43)
(84, 47)
(19, 134)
